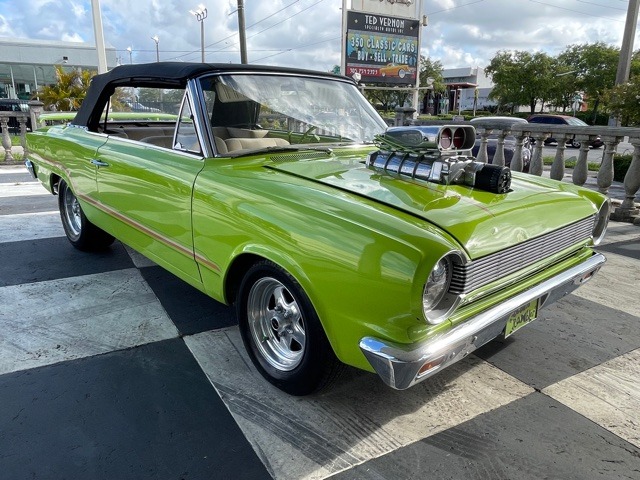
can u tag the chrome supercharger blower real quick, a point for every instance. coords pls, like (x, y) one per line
(440, 154)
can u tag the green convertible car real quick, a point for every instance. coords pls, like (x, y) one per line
(339, 241)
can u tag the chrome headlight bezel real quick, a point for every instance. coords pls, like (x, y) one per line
(438, 304)
(601, 221)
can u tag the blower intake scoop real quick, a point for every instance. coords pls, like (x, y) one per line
(437, 154)
(447, 138)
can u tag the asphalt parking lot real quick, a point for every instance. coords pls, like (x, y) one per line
(111, 368)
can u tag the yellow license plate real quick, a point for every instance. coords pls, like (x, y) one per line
(519, 318)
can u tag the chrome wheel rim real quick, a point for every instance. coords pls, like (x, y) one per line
(71, 210)
(276, 324)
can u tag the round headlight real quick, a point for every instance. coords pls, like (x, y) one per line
(437, 302)
(601, 222)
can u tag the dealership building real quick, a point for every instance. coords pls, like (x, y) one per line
(26, 65)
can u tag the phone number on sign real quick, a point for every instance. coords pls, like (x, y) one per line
(369, 72)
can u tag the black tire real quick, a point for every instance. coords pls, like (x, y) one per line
(575, 143)
(82, 234)
(294, 353)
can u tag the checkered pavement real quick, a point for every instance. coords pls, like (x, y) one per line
(112, 368)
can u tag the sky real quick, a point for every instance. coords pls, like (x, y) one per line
(306, 33)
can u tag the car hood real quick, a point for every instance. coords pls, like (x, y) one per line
(481, 221)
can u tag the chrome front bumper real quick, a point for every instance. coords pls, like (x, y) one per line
(399, 365)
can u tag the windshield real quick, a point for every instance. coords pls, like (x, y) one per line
(255, 111)
(576, 121)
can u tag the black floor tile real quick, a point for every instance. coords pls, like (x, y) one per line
(570, 336)
(38, 260)
(143, 413)
(532, 438)
(191, 310)
(629, 248)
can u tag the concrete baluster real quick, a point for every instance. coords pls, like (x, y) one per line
(483, 156)
(516, 160)
(498, 157)
(536, 166)
(581, 169)
(6, 140)
(605, 174)
(22, 121)
(631, 186)
(36, 108)
(557, 167)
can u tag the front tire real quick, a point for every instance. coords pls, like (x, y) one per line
(82, 234)
(282, 332)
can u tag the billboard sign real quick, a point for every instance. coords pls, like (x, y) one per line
(393, 8)
(382, 49)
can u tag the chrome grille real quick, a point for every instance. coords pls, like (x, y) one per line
(482, 271)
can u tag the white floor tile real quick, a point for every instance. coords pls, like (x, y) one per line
(356, 420)
(608, 394)
(48, 322)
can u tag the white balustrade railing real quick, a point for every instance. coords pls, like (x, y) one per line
(611, 136)
(16, 124)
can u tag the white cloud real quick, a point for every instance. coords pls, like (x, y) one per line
(460, 32)
(74, 37)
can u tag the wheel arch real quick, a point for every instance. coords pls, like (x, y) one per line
(249, 256)
(54, 183)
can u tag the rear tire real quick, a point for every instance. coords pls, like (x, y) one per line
(282, 332)
(82, 234)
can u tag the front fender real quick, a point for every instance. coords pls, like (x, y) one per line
(362, 264)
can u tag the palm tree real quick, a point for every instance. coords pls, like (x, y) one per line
(69, 91)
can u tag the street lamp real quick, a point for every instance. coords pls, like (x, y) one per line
(130, 57)
(200, 14)
(156, 39)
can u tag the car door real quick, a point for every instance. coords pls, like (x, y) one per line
(147, 189)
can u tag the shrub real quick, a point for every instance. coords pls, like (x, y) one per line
(621, 164)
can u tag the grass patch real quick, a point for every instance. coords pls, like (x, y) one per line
(591, 166)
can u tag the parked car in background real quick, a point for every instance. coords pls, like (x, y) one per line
(15, 105)
(338, 241)
(499, 123)
(563, 120)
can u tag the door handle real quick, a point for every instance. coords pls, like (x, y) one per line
(99, 163)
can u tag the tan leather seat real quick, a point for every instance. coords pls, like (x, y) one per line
(159, 140)
(234, 144)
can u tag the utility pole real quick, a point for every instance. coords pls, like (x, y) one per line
(626, 50)
(200, 14)
(241, 32)
(156, 39)
(99, 34)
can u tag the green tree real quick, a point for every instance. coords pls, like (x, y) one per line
(431, 69)
(385, 99)
(521, 78)
(391, 97)
(594, 66)
(624, 101)
(68, 92)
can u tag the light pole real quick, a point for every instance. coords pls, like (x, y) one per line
(156, 39)
(241, 32)
(130, 56)
(200, 14)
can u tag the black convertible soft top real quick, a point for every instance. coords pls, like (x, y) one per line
(159, 74)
